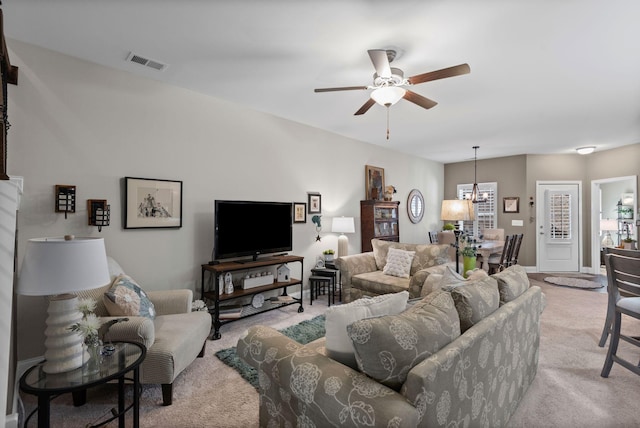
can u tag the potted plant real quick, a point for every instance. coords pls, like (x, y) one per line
(629, 244)
(328, 255)
(448, 226)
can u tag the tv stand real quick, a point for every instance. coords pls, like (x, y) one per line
(212, 292)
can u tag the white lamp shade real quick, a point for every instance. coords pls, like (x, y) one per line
(54, 266)
(388, 95)
(457, 210)
(608, 224)
(343, 225)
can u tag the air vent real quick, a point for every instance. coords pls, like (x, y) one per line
(139, 59)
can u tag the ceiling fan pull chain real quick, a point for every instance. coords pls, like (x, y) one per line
(387, 123)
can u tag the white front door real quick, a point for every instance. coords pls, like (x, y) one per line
(558, 227)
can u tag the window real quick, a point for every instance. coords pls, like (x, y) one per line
(486, 212)
(560, 216)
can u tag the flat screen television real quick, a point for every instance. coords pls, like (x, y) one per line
(252, 228)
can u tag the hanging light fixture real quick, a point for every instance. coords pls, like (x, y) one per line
(475, 193)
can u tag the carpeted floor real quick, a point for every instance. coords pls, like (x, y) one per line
(567, 391)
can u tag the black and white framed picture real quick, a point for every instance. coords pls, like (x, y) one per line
(315, 203)
(299, 212)
(152, 203)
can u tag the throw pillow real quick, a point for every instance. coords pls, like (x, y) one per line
(429, 255)
(398, 263)
(512, 282)
(388, 347)
(380, 250)
(338, 345)
(475, 300)
(126, 298)
(431, 284)
(451, 279)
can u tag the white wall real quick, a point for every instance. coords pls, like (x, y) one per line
(78, 123)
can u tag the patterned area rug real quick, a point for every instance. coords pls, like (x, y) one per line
(304, 332)
(572, 282)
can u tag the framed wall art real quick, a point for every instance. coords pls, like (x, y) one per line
(299, 212)
(374, 182)
(315, 203)
(152, 203)
(511, 204)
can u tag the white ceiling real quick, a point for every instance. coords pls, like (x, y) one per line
(547, 76)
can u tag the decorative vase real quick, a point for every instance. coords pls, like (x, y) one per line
(93, 359)
(328, 257)
(468, 263)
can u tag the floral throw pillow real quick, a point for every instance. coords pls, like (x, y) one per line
(126, 298)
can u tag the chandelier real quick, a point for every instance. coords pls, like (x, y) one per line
(475, 193)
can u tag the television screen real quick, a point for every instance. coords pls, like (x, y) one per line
(251, 228)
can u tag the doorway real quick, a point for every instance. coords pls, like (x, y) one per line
(558, 226)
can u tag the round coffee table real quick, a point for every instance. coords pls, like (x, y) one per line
(127, 357)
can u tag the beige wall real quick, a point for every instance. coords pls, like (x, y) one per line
(517, 176)
(82, 124)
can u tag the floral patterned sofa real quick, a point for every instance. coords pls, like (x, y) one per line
(363, 274)
(463, 357)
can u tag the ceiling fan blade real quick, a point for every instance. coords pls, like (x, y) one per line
(380, 62)
(366, 106)
(456, 70)
(419, 100)
(344, 88)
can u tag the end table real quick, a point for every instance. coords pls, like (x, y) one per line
(127, 357)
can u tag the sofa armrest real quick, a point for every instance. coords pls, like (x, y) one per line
(136, 329)
(483, 374)
(167, 302)
(353, 265)
(299, 384)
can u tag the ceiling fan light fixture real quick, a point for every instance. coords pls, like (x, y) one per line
(388, 95)
(586, 150)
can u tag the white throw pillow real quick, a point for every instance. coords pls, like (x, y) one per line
(338, 345)
(398, 263)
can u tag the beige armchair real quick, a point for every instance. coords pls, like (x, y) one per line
(173, 339)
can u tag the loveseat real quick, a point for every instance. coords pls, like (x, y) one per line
(363, 274)
(463, 357)
(174, 336)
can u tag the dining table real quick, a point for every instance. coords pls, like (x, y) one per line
(487, 248)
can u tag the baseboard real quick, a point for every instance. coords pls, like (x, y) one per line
(14, 419)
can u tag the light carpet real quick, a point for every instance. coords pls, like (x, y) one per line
(567, 391)
(572, 282)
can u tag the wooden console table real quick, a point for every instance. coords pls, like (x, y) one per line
(212, 292)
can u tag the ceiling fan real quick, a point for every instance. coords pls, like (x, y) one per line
(388, 82)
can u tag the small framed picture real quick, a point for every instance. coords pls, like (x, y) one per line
(637, 223)
(374, 182)
(299, 212)
(151, 203)
(511, 204)
(315, 203)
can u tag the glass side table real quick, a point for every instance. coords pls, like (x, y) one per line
(127, 357)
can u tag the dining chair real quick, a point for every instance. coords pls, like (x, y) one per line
(500, 262)
(433, 237)
(623, 274)
(611, 303)
(513, 258)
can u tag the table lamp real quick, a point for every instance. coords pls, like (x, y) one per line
(343, 225)
(57, 267)
(606, 226)
(457, 210)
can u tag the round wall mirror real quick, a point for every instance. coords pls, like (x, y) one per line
(415, 206)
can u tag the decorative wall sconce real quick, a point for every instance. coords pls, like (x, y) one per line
(99, 213)
(65, 199)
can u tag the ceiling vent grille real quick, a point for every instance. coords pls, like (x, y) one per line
(139, 59)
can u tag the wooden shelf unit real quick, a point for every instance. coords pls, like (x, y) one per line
(212, 292)
(378, 219)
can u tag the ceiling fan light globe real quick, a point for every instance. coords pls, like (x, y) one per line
(388, 95)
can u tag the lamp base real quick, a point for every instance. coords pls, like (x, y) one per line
(63, 347)
(607, 241)
(343, 245)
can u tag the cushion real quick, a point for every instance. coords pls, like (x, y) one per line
(378, 283)
(427, 255)
(126, 298)
(432, 283)
(451, 279)
(338, 345)
(398, 263)
(512, 282)
(388, 347)
(475, 300)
